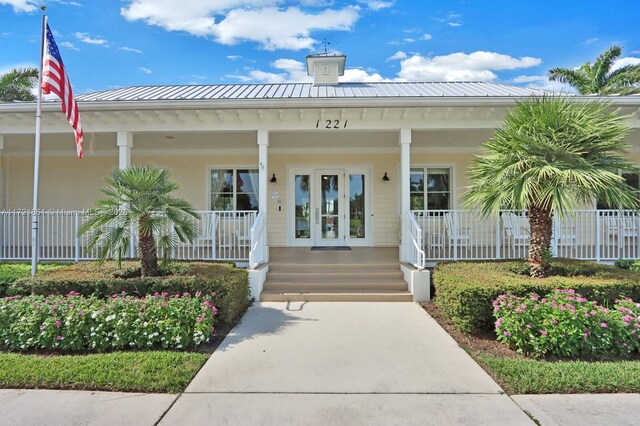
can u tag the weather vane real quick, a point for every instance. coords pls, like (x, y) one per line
(326, 45)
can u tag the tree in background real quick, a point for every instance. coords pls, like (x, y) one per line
(598, 78)
(16, 85)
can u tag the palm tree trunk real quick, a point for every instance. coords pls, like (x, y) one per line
(540, 223)
(148, 254)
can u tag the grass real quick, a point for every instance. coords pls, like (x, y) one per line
(527, 376)
(149, 371)
(10, 272)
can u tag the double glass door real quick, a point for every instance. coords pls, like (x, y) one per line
(329, 207)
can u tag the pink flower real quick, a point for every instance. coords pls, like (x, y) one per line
(603, 325)
(57, 323)
(544, 332)
(498, 322)
(506, 333)
(58, 337)
(199, 319)
(528, 325)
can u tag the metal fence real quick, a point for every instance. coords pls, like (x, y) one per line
(223, 235)
(580, 234)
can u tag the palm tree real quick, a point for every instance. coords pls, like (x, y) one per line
(551, 154)
(140, 196)
(16, 85)
(598, 78)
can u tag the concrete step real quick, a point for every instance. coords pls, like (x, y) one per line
(337, 296)
(330, 276)
(323, 268)
(327, 287)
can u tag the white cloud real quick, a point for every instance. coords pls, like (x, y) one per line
(69, 45)
(145, 70)
(356, 75)
(21, 5)
(86, 38)
(233, 21)
(460, 66)
(426, 36)
(635, 52)
(281, 29)
(399, 55)
(530, 78)
(454, 24)
(409, 40)
(629, 60)
(129, 49)
(233, 57)
(542, 82)
(376, 4)
(590, 40)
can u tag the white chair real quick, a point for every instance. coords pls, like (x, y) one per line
(456, 234)
(622, 228)
(516, 228)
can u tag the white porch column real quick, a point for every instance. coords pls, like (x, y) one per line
(125, 143)
(263, 175)
(405, 175)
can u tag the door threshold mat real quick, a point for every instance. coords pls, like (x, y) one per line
(331, 248)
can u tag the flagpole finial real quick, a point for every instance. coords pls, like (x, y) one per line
(43, 8)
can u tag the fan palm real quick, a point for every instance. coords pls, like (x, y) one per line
(551, 154)
(140, 196)
(597, 78)
(16, 85)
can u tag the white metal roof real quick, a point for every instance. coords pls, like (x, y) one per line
(283, 91)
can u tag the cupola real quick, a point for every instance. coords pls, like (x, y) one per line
(325, 68)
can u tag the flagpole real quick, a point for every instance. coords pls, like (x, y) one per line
(36, 159)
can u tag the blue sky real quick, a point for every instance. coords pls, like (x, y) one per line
(116, 43)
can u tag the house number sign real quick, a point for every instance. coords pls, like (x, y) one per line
(331, 124)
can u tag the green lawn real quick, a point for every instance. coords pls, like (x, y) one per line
(9, 272)
(520, 376)
(151, 371)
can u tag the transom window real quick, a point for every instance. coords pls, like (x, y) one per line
(234, 189)
(430, 188)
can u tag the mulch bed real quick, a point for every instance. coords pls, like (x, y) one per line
(483, 342)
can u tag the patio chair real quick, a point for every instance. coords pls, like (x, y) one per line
(456, 235)
(621, 228)
(516, 230)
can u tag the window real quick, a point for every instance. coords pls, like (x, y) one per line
(234, 189)
(325, 69)
(633, 180)
(432, 193)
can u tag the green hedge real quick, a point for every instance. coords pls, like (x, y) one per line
(230, 284)
(11, 272)
(465, 290)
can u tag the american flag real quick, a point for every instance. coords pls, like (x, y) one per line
(56, 81)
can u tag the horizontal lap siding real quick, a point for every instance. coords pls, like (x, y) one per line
(65, 182)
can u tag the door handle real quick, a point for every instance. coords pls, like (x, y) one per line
(317, 215)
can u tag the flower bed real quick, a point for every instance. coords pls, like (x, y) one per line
(566, 324)
(230, 284)
(465, 290)
(77, 323)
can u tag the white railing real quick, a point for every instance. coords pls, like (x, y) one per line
(257, 255)
(581, 234)
(414, 253)
(224, 235)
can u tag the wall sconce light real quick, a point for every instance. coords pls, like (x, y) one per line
(385, 178)
(273, 178)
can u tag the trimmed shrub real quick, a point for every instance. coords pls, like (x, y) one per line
(566, 324)
(465, 290)
(11, 272)
(230, 284)
(633, 265)
(77, 323)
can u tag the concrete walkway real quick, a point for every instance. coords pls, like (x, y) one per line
(327, 364)
(342, 363)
